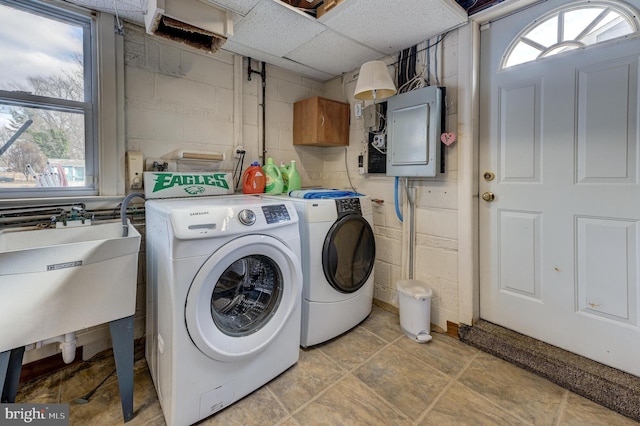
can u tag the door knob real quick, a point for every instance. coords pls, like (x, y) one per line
(488, 196)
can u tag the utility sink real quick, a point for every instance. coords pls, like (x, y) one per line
(57, 281)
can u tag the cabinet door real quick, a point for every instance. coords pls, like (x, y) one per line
(320, 122)
(333, 123)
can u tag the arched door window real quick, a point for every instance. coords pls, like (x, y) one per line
(575, 26)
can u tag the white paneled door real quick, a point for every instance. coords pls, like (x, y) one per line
(559, 181)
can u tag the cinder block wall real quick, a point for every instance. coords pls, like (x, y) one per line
(179, 98)
(436, 224)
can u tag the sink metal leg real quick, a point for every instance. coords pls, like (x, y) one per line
(10, 368)
(122, 337)
(4, 366)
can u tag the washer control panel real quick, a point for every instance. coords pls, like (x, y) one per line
(276, 213)
(348, 205)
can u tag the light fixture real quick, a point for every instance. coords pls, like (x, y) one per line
(374, 82)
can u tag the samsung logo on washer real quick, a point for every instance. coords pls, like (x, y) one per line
(198, 213)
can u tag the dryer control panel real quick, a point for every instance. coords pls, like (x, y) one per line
(276, 213)
(348, 205)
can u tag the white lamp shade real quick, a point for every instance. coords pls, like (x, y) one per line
(374, 82)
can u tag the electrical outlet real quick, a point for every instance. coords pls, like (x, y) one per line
(378, 141)
(160, 165)
(238, 151)
(358, 109)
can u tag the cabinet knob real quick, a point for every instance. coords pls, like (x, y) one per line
(322, 120)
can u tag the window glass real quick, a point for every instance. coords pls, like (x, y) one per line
(613, 25)
(40, 55)
(46, 101)
(576, 21)
(49, 152)
(572, 27)
(522, 53)
(545, 33)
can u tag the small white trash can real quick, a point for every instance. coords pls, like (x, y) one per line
(414, 300)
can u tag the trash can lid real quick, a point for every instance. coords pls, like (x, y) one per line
(414, 288)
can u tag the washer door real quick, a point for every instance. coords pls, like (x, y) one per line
(349, 253)
(242, 296)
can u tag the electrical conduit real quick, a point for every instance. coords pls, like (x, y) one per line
(412, 238)
(395, 199)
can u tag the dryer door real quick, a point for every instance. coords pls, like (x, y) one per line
(242, 297)
(349, 253)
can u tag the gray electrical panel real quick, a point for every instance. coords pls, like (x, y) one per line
(413, 132)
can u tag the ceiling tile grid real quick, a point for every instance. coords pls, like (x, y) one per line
(275, 29)
(131, 10)
(353, 32)
(391, 26)
(241, 7)
(249, 52)
(333, 53)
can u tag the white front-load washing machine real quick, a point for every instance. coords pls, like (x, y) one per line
(338, 256)
(224, 284)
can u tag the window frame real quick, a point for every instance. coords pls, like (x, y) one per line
(103, 76)
(625, 10)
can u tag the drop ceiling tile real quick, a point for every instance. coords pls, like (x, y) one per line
(269, 31)
(387, 27)
(275, 29)
(239, 49)
(333, 53)
(131, 10)
(242, 7)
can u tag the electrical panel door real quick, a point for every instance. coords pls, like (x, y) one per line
(414, 127)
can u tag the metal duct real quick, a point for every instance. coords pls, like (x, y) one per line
(196, 23)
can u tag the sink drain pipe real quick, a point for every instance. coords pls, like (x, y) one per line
(68, 344)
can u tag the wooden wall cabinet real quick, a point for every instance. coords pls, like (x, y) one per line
(320, 122)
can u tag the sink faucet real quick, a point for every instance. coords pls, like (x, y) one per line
(63, 215)
(78, 211)
(123, 210)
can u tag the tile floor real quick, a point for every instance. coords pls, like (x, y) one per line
(372, 375)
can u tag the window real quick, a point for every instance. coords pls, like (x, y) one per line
(48, 86)
(572, 27)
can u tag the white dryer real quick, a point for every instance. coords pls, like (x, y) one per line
(223, 299)
(338, 256)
